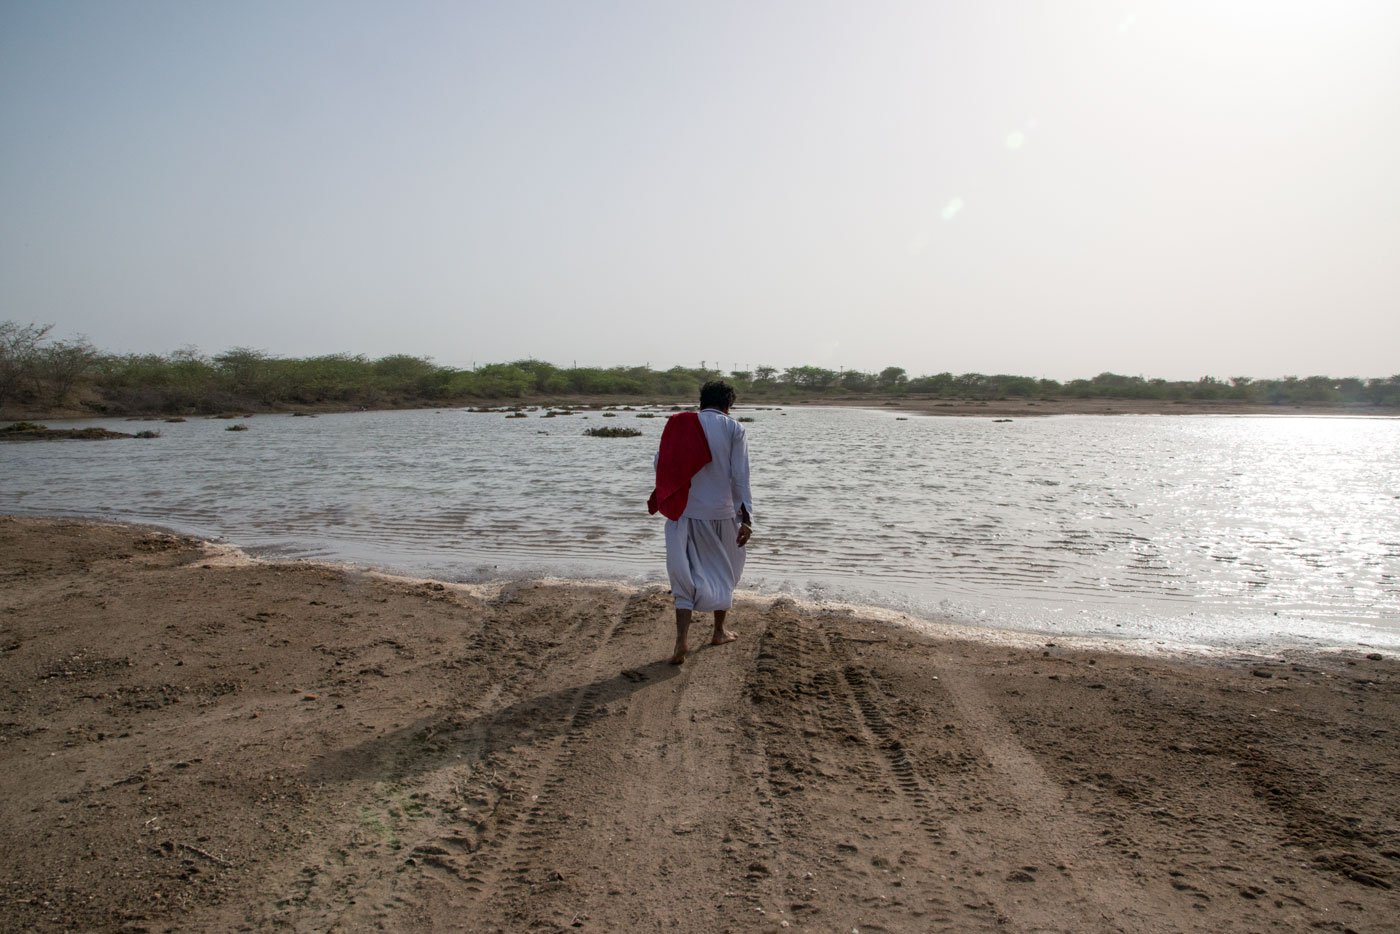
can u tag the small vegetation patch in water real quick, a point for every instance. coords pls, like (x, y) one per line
(236, 428)
(612, 432)
(33, 431)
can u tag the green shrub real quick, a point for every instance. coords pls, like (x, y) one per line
(612, 432)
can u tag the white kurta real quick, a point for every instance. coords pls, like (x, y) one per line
(703, 557)
(720, 487)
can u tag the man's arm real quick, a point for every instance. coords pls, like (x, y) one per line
(739, 483)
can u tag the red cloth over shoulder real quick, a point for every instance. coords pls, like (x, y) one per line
(684, 451)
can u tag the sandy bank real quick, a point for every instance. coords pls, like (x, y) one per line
(193, 742)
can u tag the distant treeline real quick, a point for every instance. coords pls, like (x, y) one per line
(39, 373)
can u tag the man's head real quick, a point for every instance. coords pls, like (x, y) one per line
(717, 394)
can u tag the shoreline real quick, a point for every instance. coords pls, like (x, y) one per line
(998, 408)
(196, 739)
(927, 622)
(1011, 408)
(945, 625)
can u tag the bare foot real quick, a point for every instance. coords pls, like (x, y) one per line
(722, 637)
(679, 657)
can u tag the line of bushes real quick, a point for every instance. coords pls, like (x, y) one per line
(39, 373)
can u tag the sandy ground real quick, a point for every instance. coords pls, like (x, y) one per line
(193, 742)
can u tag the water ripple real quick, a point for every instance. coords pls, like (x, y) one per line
(1098, 522)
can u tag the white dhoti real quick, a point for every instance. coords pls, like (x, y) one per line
(704, 561)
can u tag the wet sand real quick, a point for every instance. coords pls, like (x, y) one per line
(193, 741)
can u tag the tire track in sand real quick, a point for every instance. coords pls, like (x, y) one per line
(460, 784)
(1090, 888)
(759, 876)
(494, 855)
(830, 747)
(610, 825)
(912, 795)
(1087, 890)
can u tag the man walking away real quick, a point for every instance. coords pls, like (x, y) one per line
(702, 487)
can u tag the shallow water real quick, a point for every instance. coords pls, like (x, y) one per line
(1245, 531)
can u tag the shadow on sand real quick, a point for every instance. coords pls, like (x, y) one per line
(456, 739)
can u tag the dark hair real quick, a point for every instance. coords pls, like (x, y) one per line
(716, 394)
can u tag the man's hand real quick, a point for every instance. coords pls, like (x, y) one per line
(744, 532)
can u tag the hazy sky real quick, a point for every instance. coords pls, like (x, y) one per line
(1057, 188)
